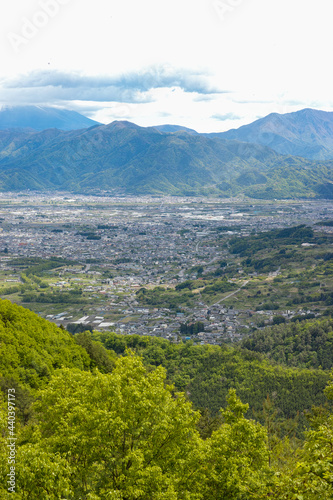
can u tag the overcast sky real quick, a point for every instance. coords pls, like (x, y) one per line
(210, 65)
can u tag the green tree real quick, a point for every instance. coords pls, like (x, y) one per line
(311, 477)
(238, 456)
(123, 435)
(101, 358)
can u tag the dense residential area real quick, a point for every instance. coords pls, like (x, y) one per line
(155, 266)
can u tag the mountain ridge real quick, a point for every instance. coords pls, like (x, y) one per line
(143, 160)
(124, 157)
(307, 133)
(42, 118)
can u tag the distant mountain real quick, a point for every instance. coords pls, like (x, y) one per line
(174, 128)
(41, 118)
(124, 158)
(307, 133)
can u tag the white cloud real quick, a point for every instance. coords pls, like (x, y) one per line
(271, 55)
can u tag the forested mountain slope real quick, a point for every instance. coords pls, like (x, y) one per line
(128, 434)
(124, 158)
(307, 133)
(32, 348)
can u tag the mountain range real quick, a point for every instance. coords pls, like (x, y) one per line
(307, 133)
(124, 158)
(42, 117)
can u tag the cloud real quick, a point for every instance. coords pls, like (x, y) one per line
(55, 87)
(206, 97)
(132, 87)
(227, 116)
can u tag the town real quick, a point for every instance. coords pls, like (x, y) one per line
(108, 260)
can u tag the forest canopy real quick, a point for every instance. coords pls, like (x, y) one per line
(105, 416)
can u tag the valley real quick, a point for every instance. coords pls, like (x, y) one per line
(166, 251)
(181, 268)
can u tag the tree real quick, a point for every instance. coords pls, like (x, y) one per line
(238, 456)
(100, 357)
(312, 476)
(123, 435)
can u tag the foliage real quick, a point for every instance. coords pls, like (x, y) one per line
(78, 328)
(219, 286)
(101, 358)
(127, 434)
(70, 297)
(208, 372)
(31, 348)
(301, 344)
(164, 297)
(190, 284)
(238, 455)
(122, 435)
(192, 328)
(277, 238)
(37, 265)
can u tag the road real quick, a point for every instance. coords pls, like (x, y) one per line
(230, 294)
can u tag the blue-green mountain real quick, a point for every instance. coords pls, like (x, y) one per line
(42, 117)
(307, 133)
(124, 158)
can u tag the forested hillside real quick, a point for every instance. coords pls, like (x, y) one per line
(297, 344)
(307, 132)
(106, 416)
(207, 373)
(124, 158)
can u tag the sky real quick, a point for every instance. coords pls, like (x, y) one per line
(210, 65)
